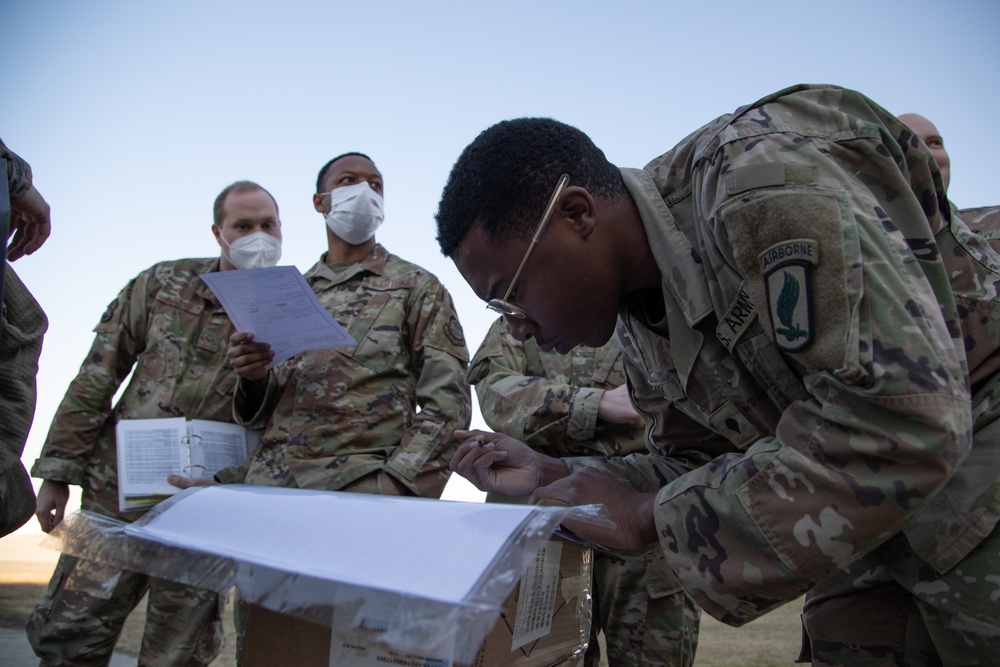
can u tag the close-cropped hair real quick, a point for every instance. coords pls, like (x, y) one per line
(238, 186)
(502, 180)
(323, 170)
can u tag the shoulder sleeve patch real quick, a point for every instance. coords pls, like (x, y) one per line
(798, 252)
(454, 332)
(786, 268)
(110, 312)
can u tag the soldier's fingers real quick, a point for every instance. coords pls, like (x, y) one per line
(465, 435)
(549, 495)
(468, 454)
(549, 500)
(249, 349)
(468, 445)
(460, 460)
(486, 459)
(240, 337)
(251, 361)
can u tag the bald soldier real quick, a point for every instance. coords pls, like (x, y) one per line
(812, 338)
(982, 219)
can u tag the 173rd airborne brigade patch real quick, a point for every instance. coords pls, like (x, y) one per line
(787, 271)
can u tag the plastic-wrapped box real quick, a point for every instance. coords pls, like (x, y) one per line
(545, 620)
(380, 577)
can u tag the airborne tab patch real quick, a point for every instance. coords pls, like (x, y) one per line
(787, 269)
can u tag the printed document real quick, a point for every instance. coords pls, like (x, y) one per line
(279, 308)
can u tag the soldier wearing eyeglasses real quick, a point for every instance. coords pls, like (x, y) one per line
(812, 338)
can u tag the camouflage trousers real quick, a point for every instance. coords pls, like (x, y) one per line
(646, 617)
(78, 620)
(892, 608)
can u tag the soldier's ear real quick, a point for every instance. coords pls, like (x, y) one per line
(577, 208)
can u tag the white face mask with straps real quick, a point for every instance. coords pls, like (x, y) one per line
(253, 251)
(356, 211)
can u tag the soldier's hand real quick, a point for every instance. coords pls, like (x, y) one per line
(616, 407)
(249, 359)
(497, 463)
(50, 507)
(30, 224)
(183, 482)
(631, 510)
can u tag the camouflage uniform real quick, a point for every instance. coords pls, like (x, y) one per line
(550, 402)
(984, 220)
(168, 321)
(828, 336)
(22, 326)
(346, 419)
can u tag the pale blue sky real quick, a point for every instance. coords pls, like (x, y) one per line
(134, 115)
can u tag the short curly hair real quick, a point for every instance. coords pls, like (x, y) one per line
(503, 178)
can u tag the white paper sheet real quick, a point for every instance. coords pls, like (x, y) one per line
(433, 549)
(279, 308)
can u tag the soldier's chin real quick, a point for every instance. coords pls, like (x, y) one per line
(598, 337)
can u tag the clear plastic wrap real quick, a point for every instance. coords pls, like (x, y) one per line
(424, 577)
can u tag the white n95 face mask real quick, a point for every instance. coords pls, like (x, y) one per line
(355, 212)
(254, 251)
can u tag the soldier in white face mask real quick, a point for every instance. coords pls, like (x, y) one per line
(247, 227)
(169, 328)
(376, 417)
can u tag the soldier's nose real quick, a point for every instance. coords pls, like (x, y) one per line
(522, 329)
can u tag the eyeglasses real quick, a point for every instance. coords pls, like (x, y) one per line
(502, 306)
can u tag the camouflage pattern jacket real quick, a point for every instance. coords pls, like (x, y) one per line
(826, 334)
(168, 325)
(347, 419)
(984, 220)
(550, 400)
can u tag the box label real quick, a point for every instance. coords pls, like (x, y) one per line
(537, 596)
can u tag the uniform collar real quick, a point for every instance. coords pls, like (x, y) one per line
(673, 252)
(373, 263)
(201, 287)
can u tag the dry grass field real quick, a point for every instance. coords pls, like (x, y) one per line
(772, 641)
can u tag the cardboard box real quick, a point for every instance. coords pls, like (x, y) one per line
(544, 621)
